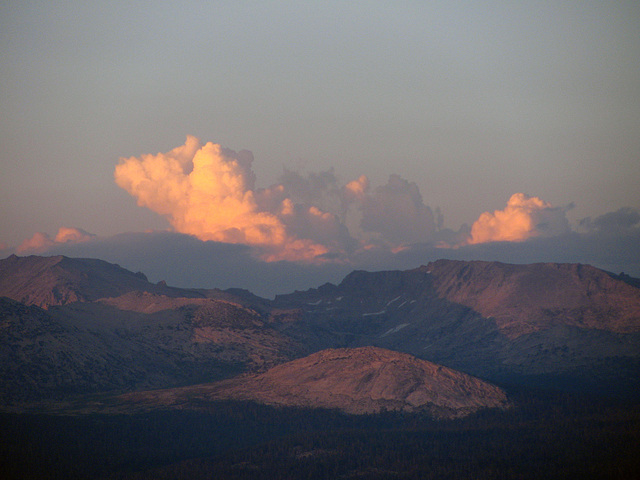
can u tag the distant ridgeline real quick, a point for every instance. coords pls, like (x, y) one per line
(84, 326)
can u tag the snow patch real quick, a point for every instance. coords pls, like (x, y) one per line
(395, 299)
(395, 329)
(374, 313)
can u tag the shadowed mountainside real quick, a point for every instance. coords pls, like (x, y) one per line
(102, 328)
(548, 323)
(93, 347)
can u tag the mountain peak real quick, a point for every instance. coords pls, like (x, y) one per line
(59, 280)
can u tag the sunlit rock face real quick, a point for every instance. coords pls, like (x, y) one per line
(354, 380)
(369, 380)
(528, 298)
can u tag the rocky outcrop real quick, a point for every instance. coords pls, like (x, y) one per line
(357, 381)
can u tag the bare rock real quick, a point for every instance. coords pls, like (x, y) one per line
(355, 380)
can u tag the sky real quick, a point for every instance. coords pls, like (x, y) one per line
(277, 145)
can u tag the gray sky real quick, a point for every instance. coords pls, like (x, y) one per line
(470, 101)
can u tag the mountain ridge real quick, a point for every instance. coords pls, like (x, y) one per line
(59, 280)
(499, 290)
(101, 328)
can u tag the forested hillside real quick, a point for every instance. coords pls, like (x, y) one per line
(548, 436)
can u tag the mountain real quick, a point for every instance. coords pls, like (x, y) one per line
(95, 347)
(68, 335)
(528, 298)
(354, 380)
(50, 281)
(518, 299)
(570, 326)
(74, 326)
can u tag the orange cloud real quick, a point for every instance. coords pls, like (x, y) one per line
(41, 242)
(524, 217)
(208, 191)
(357, 188)
(72, 235)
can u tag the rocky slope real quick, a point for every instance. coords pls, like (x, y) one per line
(496, 321)
(41, 357)
(90, 347)
(357, 381)
(527, 298)
(76, 326)
(49, 281)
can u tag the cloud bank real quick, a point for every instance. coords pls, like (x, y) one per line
(620, 221)
(41, 242)
(309, 229)
(209, 192)
(185, 261)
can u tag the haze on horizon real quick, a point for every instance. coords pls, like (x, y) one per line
(321, 137)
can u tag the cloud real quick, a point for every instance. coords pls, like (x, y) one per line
(208, 191)
(395, 211)
(308, 229)
(72, 235)
(621, 220)
(356, 189)
(183, 260)
(310, 207)
(614, 253)
(41, 242)
(523, 218)
(321, 189)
